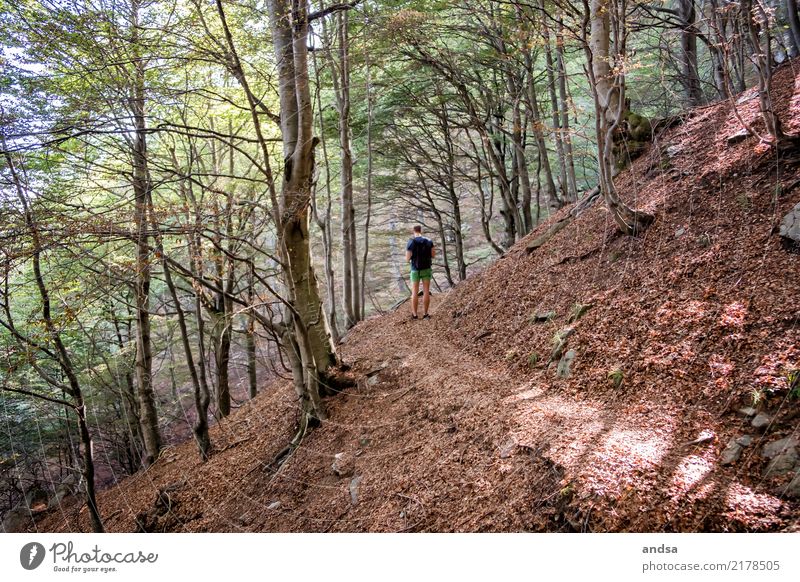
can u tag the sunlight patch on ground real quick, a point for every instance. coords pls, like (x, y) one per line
(624, 457)
(744, 504)
(690, 473)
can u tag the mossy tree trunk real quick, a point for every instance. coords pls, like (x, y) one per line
(608, 90)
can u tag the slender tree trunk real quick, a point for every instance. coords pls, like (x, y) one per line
(129, 401)
(368, 216)
(794, 25)
(141, 187)
(340, 72)
(250, 337)
(762, 62)
(324, 222)
(556, 115)
(536, 127)
(688, 56)
(521, 163)
(566, 136)
(200, 428)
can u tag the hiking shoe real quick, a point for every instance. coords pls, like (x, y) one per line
(426, 316)
(414, 316)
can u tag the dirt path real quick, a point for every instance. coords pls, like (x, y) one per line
(441, 441)
(436, 439)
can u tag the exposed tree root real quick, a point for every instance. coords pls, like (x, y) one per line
(307, 423)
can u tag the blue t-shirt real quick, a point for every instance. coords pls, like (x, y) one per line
(420, 248)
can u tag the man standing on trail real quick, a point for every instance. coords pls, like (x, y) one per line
(420, 253)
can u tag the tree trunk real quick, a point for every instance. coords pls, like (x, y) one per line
(762, 62)
(688, 57)
(290, 36)
(340, 73)
(128, 400)
(200, 428)
(141, 187)
(324, 222)
(794, 25)
(556, 114)
(250, 338)
(566, 136)
(368, 216)
(608, 92)
(521, 164)
(201, 400)
(536, 127)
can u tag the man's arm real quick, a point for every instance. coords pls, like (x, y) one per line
(409, 246)
(408, 256)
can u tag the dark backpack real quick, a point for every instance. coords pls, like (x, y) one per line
(420, 253)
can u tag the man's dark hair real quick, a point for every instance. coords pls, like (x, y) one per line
(417, 228)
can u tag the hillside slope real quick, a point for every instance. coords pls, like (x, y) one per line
(454, 426)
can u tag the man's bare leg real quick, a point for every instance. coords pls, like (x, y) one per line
(414, 297)
(426, 295)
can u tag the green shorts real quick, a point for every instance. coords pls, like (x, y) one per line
(423, 275)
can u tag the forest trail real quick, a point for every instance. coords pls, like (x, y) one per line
(459, 424)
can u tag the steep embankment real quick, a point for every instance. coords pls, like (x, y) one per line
(454, 426)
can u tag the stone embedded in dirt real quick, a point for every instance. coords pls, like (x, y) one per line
(793, 488)
(680, 232)
(790, 225)
(55, 500)
(343, 465)
(674, 150)
(731, 453)
(777, 447)
(274, 505)
(748, 411)
(738, 137)
(747, 96)
(782, 463)
(507, 448)
(565, 364)
(17, 520)
(541, 316)
(559, 343)
(354, 489)
(373, 380)
(745, 440)
(761, 420)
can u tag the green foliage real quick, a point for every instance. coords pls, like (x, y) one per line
(578, 311)
(793, 382)
(615, 377)
(704, 240)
